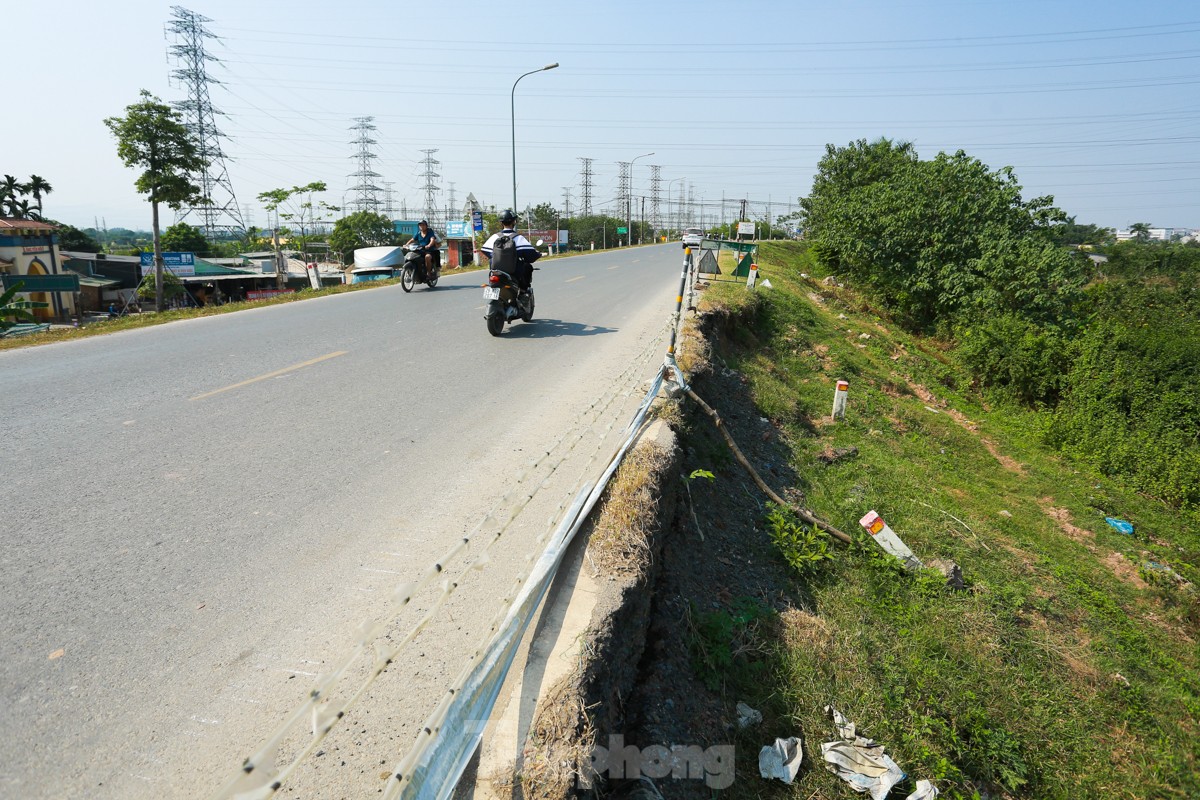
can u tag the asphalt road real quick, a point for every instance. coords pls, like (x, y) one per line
(196, 517)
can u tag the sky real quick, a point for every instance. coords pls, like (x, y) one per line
(1094, 102)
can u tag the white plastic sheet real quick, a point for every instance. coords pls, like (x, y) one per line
(859, 761)
(781, 760)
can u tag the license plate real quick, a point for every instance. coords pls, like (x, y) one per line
(491, 293)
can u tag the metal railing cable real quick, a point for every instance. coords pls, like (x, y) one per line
(259, 777)
(434, 764)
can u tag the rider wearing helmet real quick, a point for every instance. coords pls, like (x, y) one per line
(526, 252)
(427, 242)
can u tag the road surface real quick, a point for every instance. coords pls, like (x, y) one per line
(196, 517)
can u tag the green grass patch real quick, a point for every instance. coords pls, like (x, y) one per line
(1061, 671)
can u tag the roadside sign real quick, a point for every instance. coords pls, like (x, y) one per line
(457, 229)
(745, 229)
(181, 264)
(622, 229)
(477, 220)
(42, 283)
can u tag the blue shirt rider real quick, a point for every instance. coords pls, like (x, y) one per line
(427, 241)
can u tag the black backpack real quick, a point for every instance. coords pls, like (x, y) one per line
(504, 254)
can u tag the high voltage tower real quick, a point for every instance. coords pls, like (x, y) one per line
(623, 193)
(566, 202)
(585, 182)
(655, 189)
(451, 211)
(218, 214)
(366, 192)
(389, 209)
(431, 188)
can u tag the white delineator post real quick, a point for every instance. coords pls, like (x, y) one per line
(886, 538)
(839, 399)
(753, 277)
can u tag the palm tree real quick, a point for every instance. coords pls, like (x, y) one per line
(1140, 231)
(38, 186)
(9, 189)
(22, 210)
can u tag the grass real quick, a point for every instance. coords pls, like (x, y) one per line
(1060, 672)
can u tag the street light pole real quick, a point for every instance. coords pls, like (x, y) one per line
(513, 108)
(629, 200)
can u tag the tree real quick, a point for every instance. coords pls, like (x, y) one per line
(37, 187)
(361, 229)
(937, 239)
(73, 239)
(1140, 231)
(297, 206)
(544, 217)
(184, 238)
(10, 191)
(170, 287)
(152, 136)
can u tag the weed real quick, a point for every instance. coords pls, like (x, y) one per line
(720, 638)
(804, 547)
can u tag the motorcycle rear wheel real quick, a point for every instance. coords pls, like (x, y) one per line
(408, 278)
(529, 317)
(432, 282)
(495, 324)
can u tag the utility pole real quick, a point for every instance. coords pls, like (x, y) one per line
(655, 191)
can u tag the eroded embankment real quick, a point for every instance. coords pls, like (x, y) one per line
(676, 555)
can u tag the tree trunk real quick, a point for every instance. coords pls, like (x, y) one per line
(158, 261)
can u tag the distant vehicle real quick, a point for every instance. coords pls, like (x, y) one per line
(692, 236)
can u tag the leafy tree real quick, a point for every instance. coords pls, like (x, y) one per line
(74, 239)
(596, 228)
(184, 238)
(170, 287)
(1140, 231)
(152, 136)
(14, 310)
(543, 217)
(361, 229)
(1073, 233)
(297, 205)
(937, 239)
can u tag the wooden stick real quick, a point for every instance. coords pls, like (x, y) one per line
(804, 514)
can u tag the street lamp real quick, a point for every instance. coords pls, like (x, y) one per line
(629, 200)
(513, 108)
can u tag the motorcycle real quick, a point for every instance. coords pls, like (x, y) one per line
(506, 301)
(414, 270)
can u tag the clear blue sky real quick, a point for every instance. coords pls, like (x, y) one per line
(1096, 103)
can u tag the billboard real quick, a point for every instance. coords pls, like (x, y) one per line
(457, 229)
(180, 264)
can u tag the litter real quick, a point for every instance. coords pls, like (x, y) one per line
(1120, 525)
(886, 538)
(925, 791)
(781, 760)
(860, 762)
(748, 716)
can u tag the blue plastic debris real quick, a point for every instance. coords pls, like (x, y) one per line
(1121, 525)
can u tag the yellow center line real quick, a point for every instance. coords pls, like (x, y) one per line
(292, 368)
(576, 278)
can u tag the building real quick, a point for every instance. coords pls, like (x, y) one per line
(29, 254)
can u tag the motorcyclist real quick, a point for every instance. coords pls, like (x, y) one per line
(526, 252)
(427, 243)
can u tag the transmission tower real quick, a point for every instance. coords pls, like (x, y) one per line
(366, 197)
(431, 188)
(585, 180)
(655, 189)
(623, 192)
(389, 210)
(218, 213)
(566, 202)
(451, 211)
